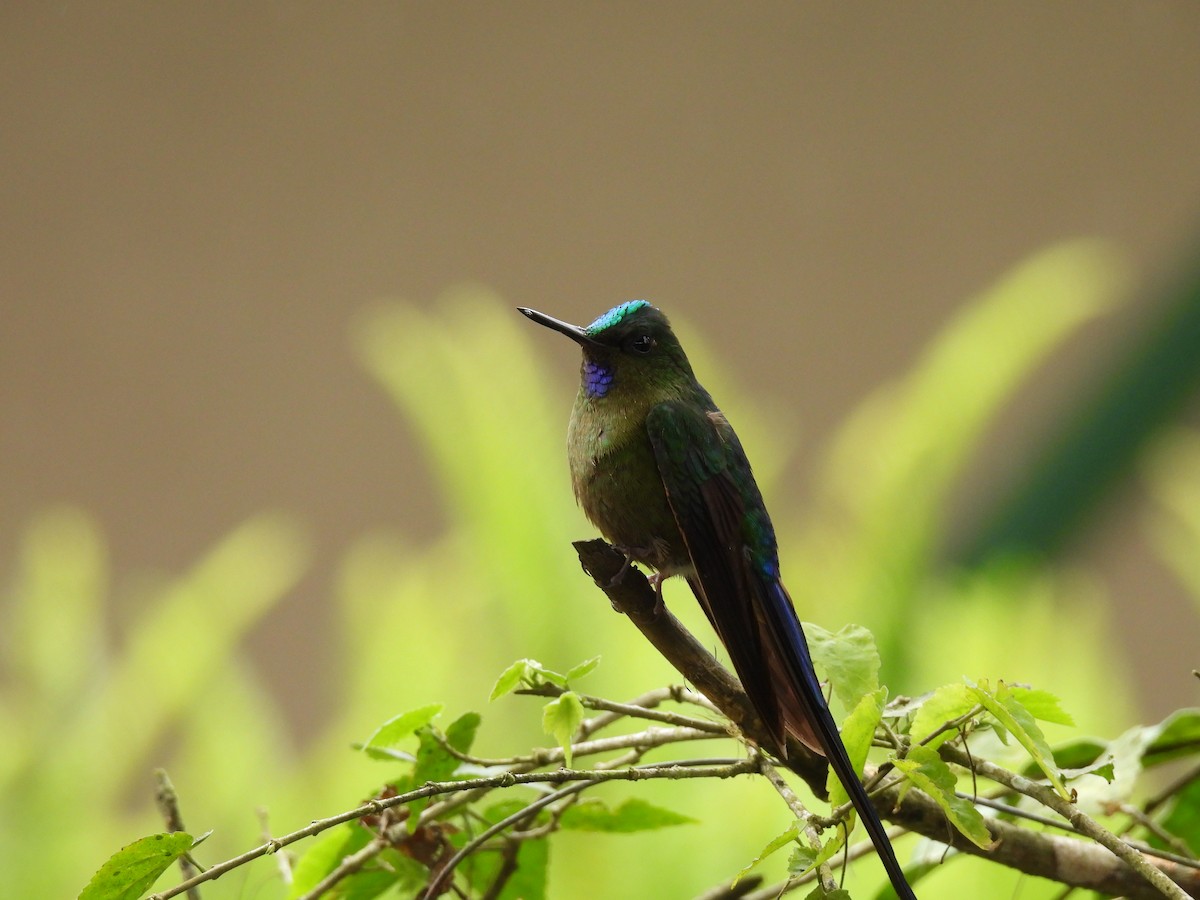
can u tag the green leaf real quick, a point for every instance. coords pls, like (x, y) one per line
(367, 884)
(773, 846)
(1103, 766)
(849, 659)
(1122, 761)
(400, 727)
(561, 718)
(631, 816)
(132, 870)
(1086, 756)
(804, 859)
(434, 763)
(329, 849)
(1042, 705)
(532, 673)
(1079, 753)
(1183, 817)
(945, 704)
(324, 854)
(1178, 735)
(527, 881)
(583, 668)
(1121, 765)
(537, 674)
(461, 733)
(858, 731)
(1011, 715)
(927, 771)
(502, 809)
(819, 893)
(509, 679)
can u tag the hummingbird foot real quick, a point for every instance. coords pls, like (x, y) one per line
(656, 581)
(632, 555)
(620, 576)
(625, 567)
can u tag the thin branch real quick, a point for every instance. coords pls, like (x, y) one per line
(549, 756)
(282, 859)
(1176, 843)
(435, 884)
(167, 802)
(1079, 820)
(649, 700)
(680, 769)
(824, 871)
(433, 888)
(640, 742)
(1182, 859)
(1144, 818)
(1172, 789)
(632, 710)
(618, 711)
(953, 724)
(633, 596)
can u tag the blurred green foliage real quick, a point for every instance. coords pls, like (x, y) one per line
(99, 692)
(1148, 382)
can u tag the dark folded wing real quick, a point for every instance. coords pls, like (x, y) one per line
(695, 465)
(708, 481)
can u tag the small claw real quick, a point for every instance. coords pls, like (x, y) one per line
(619, 577)
(656, 581)
(621, 572)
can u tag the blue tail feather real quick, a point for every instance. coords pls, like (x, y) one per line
(786, 637)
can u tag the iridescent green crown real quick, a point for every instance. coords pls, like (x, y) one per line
(615, 316)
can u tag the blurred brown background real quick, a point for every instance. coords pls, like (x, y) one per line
(198, 197)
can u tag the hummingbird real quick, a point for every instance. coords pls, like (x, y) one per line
(658, 469)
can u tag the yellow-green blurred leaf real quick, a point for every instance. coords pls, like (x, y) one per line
(133, 869)
(55, 637)
(561, 718)
(632, 815)
(1042, 705)
(1008, 711)
(773, 846)
(849, 659)
(402, 726)
(858, 731)
(926, 770)
(945, 704)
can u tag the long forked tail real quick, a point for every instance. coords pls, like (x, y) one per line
(805, 713)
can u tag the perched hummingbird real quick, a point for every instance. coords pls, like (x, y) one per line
(658, 469)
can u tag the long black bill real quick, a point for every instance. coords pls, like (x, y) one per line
(574, 332)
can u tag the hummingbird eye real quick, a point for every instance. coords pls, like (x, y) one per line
(642, 344)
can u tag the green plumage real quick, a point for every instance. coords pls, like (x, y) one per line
(659, 470)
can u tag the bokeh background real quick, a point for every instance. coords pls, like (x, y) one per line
(262, 258)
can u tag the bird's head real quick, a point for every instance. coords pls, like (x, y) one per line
(630, 346)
